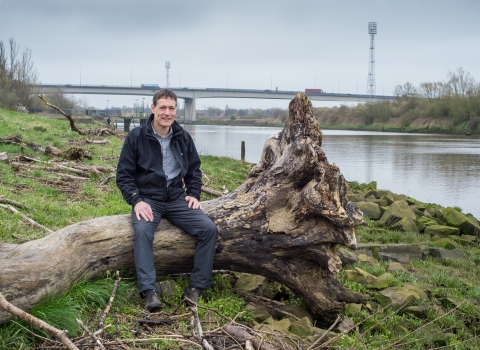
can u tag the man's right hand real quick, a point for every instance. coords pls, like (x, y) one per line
(143, 210)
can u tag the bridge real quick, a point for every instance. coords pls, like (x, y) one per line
(189, 95)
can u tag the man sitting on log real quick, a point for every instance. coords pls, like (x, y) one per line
(155, 158)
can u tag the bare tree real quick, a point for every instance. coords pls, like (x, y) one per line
(460, 83)
(406, 90)
(18, 76)
(432, 91)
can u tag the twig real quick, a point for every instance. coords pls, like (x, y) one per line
(325, 334)
(211, 191)
(110, 302)
(93, 336)
(60, 335)
(26, 217)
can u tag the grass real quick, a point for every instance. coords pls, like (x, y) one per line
(454, 286)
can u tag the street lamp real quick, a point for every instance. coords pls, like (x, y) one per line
(143, 107)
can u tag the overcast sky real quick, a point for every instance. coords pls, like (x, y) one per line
(258, 44)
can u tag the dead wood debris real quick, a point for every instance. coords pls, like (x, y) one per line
(159, 326)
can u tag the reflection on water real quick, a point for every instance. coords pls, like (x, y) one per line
(441, 169)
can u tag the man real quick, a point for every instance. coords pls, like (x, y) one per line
(155, 158)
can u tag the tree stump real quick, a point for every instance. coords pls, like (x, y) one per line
(283, 223)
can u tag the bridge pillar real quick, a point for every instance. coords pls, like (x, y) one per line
(190, 110)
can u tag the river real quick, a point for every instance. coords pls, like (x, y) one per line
(442, 169)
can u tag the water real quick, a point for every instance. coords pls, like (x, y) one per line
(441, 169)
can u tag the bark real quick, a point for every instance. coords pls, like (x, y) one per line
(284, 223)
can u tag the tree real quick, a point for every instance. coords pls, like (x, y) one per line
(18, 77)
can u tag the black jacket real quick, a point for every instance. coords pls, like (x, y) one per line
(140, 173)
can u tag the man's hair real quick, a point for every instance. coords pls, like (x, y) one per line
(164, 93)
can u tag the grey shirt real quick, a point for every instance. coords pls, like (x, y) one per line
(170, 165)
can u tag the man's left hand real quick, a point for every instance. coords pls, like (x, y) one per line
(193, 202)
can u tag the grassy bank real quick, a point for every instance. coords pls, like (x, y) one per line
(449, 313)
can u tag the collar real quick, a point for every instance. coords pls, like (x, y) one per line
(170, 132)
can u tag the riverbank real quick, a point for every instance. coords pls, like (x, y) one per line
(441, 291)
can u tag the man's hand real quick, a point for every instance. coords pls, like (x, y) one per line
(143, 210)
(193, 202)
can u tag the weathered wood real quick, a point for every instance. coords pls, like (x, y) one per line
(73, 127)
(283, 223)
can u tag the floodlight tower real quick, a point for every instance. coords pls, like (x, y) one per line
(167, 65)
(372, 30)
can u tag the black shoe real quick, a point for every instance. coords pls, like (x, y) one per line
(192, 293)
(152, 301)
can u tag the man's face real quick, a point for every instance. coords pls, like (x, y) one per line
(164, 112)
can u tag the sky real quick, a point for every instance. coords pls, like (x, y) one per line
(261, 44)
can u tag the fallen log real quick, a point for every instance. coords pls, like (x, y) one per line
(283, 223)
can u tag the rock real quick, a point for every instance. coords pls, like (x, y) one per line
(360, 276)
(424, 221)
(379, 202)
(355, 197)
(302, 327)
(296, 310)
(397, 258)
(398, 297)
(446, 243)
(395, 212)
(407, 224)
(255, 284)
(358, 252)
(464, 240)
(166, 288)
(411, 201)
(353, 307)
(260, 314)
(347, 257)
(468, 225)
(370, 260)
(372, 306)
(346, 325)
(410, 251)
(399, 197)
(395, 266)
(270, 324)
(388, 198)
(454, 254)
(442, 231)
(417, 311)
(369, 209)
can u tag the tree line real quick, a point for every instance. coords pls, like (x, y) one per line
(455, 102)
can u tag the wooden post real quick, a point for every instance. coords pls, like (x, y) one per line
(242, 151)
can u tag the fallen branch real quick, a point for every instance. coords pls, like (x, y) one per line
(60, 335)
(242, 336)
(325, 334)
(110, 302)
(49, 168)
(211, 191)
(26, 217)
(108, 178)
(4, 157)
(9, 201)
(97, 142)
(68, 116)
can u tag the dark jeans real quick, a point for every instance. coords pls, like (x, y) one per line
(192, 221)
